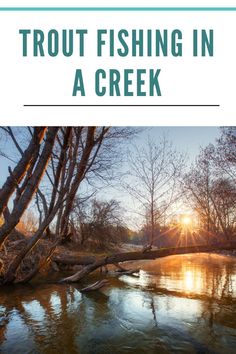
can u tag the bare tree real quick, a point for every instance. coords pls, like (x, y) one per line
(67, 178)
(197, 186)
(154, 170)
(223, 153)
(211, 193)
(99, 223)
(31, 166)
(77, 152)
(24, 166)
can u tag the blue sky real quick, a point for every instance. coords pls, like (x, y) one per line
(185, 139)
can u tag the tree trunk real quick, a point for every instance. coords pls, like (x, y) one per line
(83, 165)
(32, 185)
(11, 272)
(21, 168)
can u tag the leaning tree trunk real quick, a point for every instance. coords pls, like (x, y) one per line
(21, 168)
(32, 185)
(81, 168)
(10, 275)
(70, 197)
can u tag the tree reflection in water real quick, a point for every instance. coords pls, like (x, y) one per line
(180, 303)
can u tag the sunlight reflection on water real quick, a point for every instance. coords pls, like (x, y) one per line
(178, 304)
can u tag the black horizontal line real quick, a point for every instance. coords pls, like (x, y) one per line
(121, 105)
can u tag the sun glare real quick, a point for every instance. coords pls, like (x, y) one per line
(186, 220)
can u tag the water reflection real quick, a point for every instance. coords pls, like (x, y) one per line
(178, 304)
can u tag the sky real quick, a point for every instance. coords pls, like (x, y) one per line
(187, 140)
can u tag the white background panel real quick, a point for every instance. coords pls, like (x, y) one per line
(183, 80)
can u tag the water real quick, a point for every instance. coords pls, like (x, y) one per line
(179, 304)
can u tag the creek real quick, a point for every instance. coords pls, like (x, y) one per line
(178, 304)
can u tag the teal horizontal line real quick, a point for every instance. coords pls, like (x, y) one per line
(90, 9)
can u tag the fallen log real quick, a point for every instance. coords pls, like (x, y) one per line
(134, 256)
(83, 272)
(73, 260)
(95, 286)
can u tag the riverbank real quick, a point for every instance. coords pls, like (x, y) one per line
(231, 253)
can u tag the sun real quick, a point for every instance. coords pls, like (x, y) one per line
(186, 221)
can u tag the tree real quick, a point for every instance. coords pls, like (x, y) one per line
(23, 167)
(211, 193)
(25, 178)
(68, 175)
(99, 223)
(69, 155)
(154, 170)
(224, 200)
(223, 154)
(197, 186)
